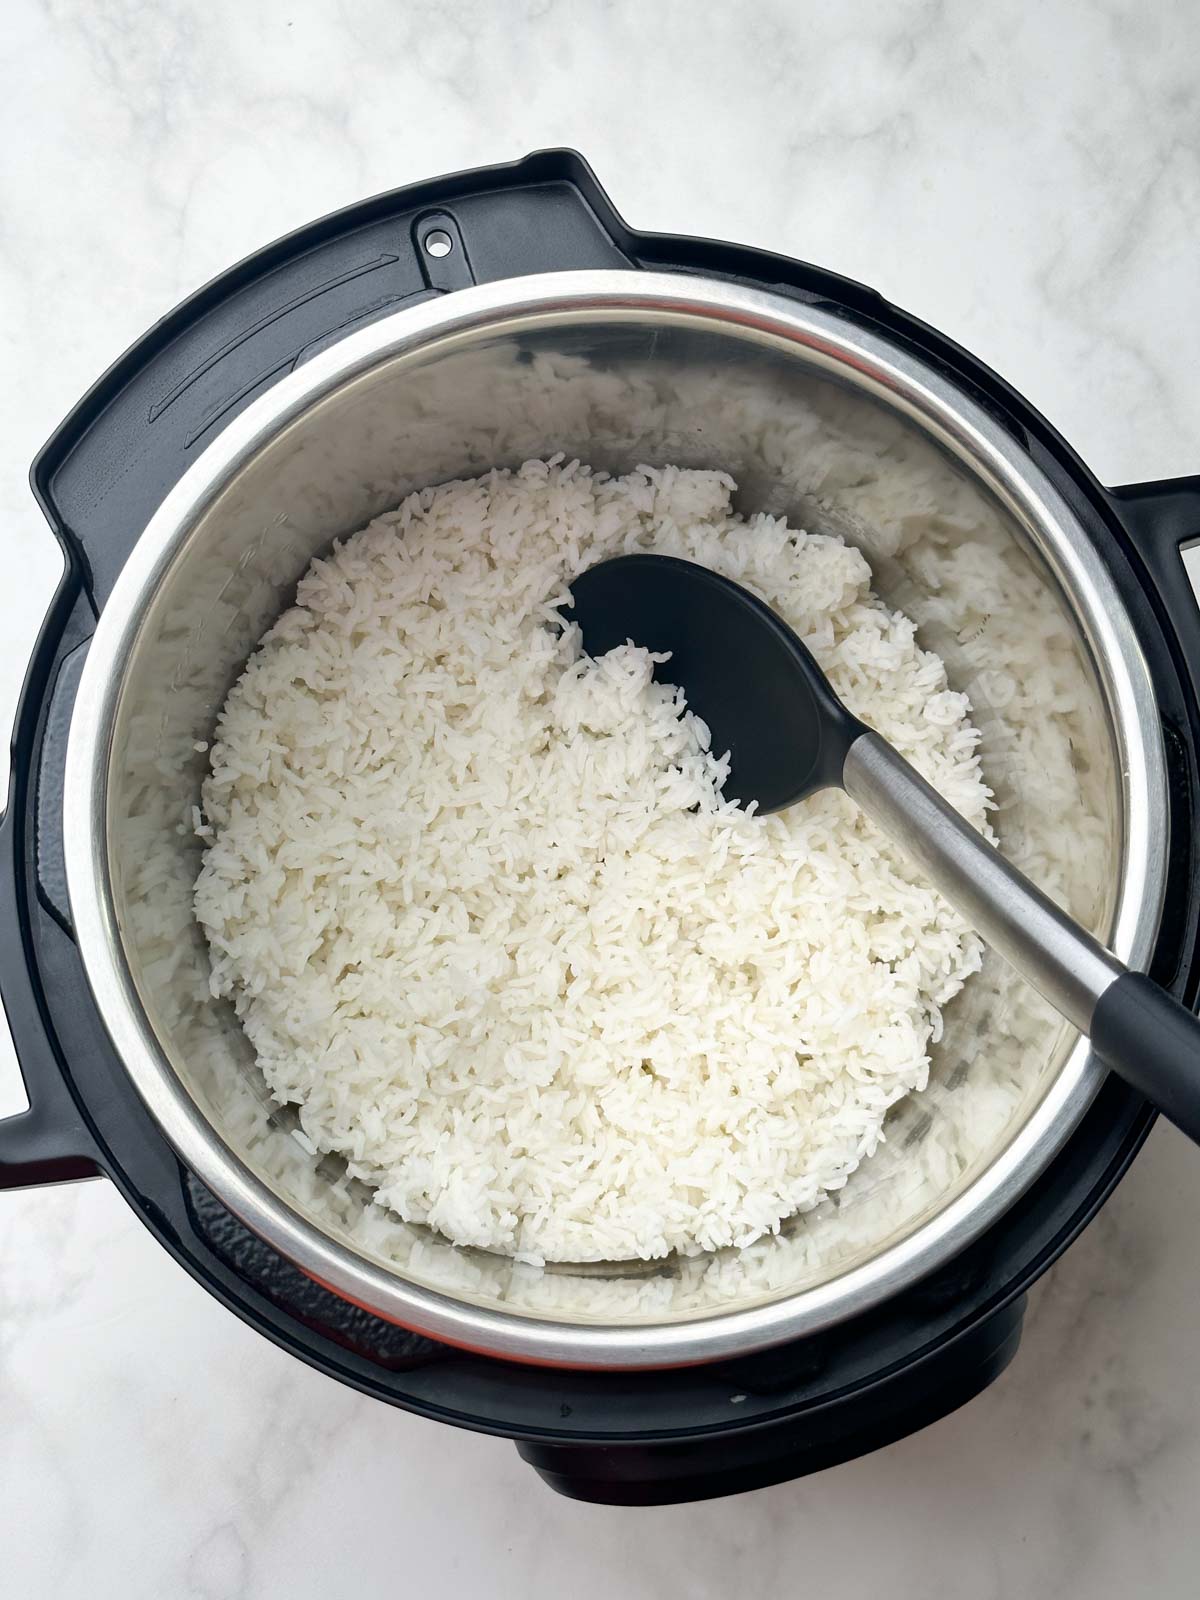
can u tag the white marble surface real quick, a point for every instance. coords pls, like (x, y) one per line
(1028, 178)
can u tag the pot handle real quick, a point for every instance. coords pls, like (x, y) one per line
(49, 1142)
(1160, 519)
(110, 464)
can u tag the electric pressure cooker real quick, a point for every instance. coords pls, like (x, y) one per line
(471, 322)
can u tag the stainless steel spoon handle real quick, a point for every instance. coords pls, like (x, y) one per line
(1135, 1027)
(1062, 962)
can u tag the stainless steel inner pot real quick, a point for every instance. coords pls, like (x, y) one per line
(812, 415)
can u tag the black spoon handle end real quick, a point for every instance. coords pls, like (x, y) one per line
(1154, 1043)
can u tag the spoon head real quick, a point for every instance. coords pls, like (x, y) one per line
(741, 667)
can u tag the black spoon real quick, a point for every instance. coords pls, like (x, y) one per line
(767, 702)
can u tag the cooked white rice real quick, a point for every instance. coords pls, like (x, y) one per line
(488, 922)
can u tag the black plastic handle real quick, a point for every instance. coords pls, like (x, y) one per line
(1160, 518)
(1154, 1043)
(109, 465)
(49, 1142)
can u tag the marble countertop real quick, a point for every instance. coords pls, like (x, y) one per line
(1026, 178)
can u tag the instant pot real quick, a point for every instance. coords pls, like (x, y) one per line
(473, 322)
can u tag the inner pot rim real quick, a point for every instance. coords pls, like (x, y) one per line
(829, 344)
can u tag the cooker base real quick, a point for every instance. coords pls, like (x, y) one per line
(700, 1469)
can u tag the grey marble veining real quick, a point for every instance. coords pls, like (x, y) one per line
(1028, 179)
